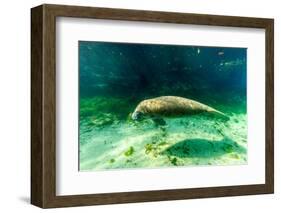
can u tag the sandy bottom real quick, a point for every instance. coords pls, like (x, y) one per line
(186, 141)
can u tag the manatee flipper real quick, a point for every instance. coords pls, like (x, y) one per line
(158, 121)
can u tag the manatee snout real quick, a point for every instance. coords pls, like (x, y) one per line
(136, 116)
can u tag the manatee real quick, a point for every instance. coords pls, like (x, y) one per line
(172, 106)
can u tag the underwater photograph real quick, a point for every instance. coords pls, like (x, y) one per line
(145, 106)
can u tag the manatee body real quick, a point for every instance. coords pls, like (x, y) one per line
(172, 106)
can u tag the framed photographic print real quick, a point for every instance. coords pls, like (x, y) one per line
(136, 106)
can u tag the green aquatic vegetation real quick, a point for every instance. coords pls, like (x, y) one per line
(86, 130)
(129, 118)
(154, 148)
(103, 120)
(85, 111)
(140, 123)
(129, 152)
(148, 148)
(160, 136)
(173, 160)
(112, 160)
(118, 107)
(235, 156)
(162, 143)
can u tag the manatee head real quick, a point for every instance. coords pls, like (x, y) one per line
(137, 115)
(139, 112)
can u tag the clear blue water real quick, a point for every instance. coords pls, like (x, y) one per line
(115, 77)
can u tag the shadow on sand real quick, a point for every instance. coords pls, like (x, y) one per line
(203, 148)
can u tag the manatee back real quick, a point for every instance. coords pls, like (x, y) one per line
(172, 106)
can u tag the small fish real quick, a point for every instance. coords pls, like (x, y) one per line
(221, 53)
(198, 51)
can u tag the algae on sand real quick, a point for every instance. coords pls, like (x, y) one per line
(186, 141)
(129, 152)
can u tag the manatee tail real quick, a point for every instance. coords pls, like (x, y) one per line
(218, 114)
